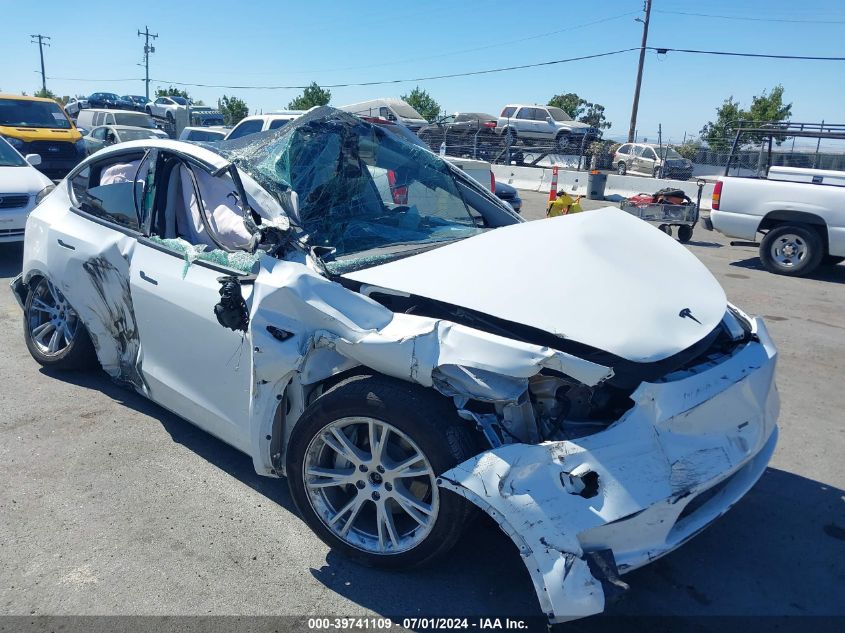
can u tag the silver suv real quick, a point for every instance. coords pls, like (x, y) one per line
(543, 123)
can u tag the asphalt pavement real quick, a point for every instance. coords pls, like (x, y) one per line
(110, 505)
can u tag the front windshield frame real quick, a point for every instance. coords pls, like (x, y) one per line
(51, 112)
(364, 194)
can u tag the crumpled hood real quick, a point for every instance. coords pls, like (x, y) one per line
(602, 278)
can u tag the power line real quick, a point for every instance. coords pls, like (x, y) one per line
(735, 54)
(750, 19)
(407, 80)
(472, 73)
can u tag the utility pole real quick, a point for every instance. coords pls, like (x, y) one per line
(147, 50)
(39, 39)
(636, 105)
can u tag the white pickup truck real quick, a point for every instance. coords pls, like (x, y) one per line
(800, 212)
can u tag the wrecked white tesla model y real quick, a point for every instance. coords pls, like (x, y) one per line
(359, 316)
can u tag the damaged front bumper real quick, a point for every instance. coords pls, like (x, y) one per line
(583, 511)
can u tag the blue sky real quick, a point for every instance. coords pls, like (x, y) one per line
(293, 43)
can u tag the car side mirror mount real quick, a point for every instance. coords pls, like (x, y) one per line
(550, 120)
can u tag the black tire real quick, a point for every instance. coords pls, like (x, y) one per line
(169, 116)
(832, 260)
(666, 228)
(621, 168)
(77, 354)
(510, 136)
(684, 233)
(776, 259)
(655, 172)
(148, 110)
(425, 417)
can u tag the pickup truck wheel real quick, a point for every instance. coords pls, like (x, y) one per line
(791, 249)
(621, 168)
(363, 464)
(684, 233)
(832, 260)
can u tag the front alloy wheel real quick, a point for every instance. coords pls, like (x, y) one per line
(371, 485)
(363, 462)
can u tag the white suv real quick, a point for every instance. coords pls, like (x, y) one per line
(263, 122)
(546, 123)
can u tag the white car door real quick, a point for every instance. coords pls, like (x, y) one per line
(192, 365)
(91, 235)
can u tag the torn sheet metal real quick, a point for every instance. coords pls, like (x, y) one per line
(665, 471)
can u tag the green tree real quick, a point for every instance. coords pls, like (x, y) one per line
(312, 96)
(570, 103)
(45, 93)
(717, 133)
(594, 115)
(688, 149)
(172, 91)
(581, 110)
(233, 109)
(766, 107)
(423, 103)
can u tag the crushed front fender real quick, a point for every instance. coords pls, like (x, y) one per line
(681, 457)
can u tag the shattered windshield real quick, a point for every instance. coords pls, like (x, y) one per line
(365, 195)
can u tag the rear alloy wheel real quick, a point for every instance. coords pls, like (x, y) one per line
(791, 249)
(54, 334)
(363, 465)
(621, 168)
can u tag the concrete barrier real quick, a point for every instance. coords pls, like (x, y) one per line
(575, 182)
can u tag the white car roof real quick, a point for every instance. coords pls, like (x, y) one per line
(191, 149)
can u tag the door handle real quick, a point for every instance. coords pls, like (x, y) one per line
(66, 245)
(149, 279)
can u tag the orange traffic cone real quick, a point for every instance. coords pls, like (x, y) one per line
(553, 190)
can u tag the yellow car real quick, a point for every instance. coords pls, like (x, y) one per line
(33, 125)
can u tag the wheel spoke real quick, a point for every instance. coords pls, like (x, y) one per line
(329, 477)
(53, 347)
(378, 440)
(340, 513)
(359, 503)
(386, 527)
(404, 469)
(40, 334)
(419, 510)
(343, 446)
(54, 293)
(38, 304)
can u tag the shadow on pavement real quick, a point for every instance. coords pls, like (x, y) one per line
(234, 462)
(704, 244)
(834, 274)
(11, 259)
